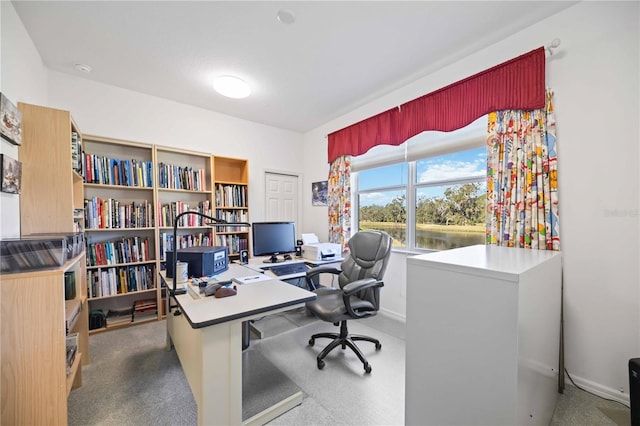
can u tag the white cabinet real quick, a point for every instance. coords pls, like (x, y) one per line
(483, 334)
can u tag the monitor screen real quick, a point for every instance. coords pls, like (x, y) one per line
(273, 238)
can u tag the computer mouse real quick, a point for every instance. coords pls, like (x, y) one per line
(287, 257)
(225, 292)
(211, 289)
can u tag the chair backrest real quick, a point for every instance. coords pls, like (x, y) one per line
(369, 253)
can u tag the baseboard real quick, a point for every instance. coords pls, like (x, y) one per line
(393, 315)
(598, 389)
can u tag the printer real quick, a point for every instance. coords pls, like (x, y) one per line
(314, 250)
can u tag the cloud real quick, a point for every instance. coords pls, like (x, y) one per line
(452, 170)
(373, 198)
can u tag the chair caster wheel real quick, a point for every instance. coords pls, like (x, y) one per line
(312, 342)
(378, 346)
(320, 364)
(367, 368)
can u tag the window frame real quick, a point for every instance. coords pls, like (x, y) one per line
(411, 188)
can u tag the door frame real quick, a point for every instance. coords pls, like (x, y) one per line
(298, 175)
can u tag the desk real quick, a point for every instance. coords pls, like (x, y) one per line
(207, 338)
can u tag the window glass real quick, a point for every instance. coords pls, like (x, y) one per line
(450, 216)
(381, 177)
(430, 203)
(464, 164)
(384, 211)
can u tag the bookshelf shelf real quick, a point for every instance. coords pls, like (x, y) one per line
(75, 376)
(130, 293)
(124, 187)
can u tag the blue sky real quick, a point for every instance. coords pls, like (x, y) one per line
(471, 163)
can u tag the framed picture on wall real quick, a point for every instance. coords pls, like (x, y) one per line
(10, 121)
(11, 174)
(319, 193)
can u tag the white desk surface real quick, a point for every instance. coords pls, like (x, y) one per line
(258, 265)
(251, 300)
(487, 260)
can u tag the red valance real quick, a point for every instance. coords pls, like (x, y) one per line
(516, 84)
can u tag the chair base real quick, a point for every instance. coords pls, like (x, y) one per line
(344, 339)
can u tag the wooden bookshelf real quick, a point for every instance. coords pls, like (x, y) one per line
(231, 192)
(34, 382)
(120, 217)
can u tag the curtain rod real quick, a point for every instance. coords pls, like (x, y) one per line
(549, 49)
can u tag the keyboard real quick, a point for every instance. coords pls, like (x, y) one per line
(290, 269)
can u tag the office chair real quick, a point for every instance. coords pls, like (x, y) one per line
(358, 296)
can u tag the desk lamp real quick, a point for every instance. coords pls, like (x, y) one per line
(212, 221)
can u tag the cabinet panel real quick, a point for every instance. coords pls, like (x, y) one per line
(48, 185)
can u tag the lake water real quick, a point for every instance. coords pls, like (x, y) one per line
(438, 240)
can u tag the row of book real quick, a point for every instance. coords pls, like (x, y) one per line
(168, 212)
(178, 177)
(233, 215)
(119, 280)
(76, 152)
(125, 250)
(113, 171)
(231, 195)
(141, 310)
(234, 242)
(186, 240)
(107, 213)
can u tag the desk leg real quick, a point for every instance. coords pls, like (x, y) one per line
(221, 401)
(211, 358)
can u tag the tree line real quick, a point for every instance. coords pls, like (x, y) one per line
(460, 205)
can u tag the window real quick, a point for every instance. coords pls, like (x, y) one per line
(425, 200)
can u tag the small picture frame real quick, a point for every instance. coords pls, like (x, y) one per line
(11, 174)
(10, 121)
(319, 193)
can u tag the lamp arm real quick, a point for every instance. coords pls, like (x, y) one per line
(212, 221)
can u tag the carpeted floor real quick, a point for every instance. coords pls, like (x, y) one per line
(133, 380)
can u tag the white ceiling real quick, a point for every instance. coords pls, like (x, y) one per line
(335, 57)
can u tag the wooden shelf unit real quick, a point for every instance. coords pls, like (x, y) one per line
(35, 385)
(120, 211)
(231, 192)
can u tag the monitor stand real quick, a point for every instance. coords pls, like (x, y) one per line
(272, 259)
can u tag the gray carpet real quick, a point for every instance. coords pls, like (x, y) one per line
(133, 380)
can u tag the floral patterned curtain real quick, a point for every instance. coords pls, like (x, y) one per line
(522, 179)
(339, 200)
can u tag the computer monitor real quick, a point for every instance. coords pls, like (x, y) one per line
(273, 238)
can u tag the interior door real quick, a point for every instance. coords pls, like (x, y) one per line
(282, 197)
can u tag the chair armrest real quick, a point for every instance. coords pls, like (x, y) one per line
(314, 272)
(359, 285)
(354, 287)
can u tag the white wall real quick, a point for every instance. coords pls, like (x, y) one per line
(595, 77)
(23, 78)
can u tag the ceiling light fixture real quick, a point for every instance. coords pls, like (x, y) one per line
(84, 68)
(231, 87)
(286, 16)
